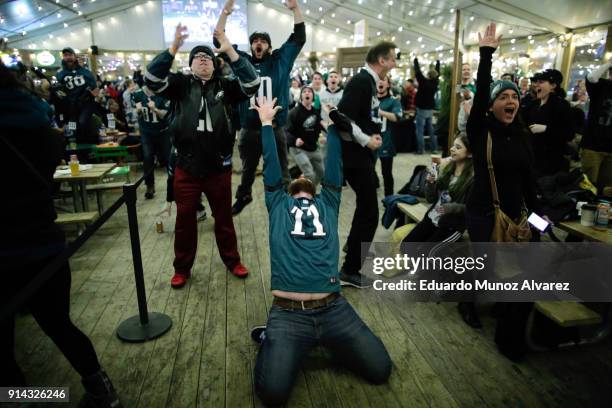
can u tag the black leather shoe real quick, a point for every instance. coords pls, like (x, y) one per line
(469, 315)
(240, 204)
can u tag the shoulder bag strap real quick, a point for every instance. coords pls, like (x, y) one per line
(491, 171)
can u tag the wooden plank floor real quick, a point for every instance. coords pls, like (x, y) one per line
(207, 358)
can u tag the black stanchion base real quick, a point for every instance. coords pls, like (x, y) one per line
(132, 331)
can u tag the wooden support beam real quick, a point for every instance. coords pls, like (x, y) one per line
(566, 60)
(456, 72)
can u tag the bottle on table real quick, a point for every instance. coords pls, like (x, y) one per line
(74, 165)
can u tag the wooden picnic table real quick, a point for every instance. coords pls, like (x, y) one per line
(588, 233)
(415, 212)
(78, 183)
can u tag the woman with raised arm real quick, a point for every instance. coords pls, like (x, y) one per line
(494, 113)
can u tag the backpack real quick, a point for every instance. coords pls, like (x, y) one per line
(416, 186)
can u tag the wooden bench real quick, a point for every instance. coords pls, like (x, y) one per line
(76, 218)
(99, 188)
(415, 212)
(568, 314)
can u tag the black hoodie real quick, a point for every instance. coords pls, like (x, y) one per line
(304, 124)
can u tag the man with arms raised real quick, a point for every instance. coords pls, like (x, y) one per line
(274, 68)
(308, 309)
(204, 139)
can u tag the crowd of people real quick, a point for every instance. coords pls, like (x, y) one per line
(334, 130)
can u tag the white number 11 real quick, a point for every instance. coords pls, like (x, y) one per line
(312, 212)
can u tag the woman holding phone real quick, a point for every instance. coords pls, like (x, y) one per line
(495, 112)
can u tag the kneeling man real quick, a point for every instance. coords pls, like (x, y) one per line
(308, 309)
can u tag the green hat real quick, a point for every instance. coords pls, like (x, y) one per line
(500, 86)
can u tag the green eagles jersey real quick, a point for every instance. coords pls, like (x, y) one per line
(303, 232)
(147, 118)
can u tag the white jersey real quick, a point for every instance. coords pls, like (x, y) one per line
(333, 98)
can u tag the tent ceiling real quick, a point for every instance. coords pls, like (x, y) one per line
(430, 20)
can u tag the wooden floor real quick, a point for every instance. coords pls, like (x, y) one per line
(207, 358)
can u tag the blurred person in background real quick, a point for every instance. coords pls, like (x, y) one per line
(32, 149)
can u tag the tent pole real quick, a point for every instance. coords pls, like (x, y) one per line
(566, 60)
(456, 72)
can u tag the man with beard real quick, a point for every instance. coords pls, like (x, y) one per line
(274, 68)
(80, 87)
(204, 140)
(303, 129)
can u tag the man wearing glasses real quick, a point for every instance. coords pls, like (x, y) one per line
(202, 133)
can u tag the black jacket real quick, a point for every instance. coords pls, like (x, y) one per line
(512, 155)
(203, 147)
(598, 132)
(304, 124)
(550, 146)
(27, 211)
(425, 97)
(357, 103)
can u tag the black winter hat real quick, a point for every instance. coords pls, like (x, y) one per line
(206, 50)
(551, 75)
(261, 35)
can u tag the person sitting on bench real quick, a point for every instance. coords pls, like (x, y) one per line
(308, 309)
(445, 219)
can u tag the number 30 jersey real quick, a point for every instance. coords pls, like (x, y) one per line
(76, 82)
(303, 232)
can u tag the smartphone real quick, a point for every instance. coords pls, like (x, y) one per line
(538, 222)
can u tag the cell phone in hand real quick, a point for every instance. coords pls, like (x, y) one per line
(538, 222)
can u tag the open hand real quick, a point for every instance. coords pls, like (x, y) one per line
(151, 104)
(299, 142)
(291, 4)
(224, 43)
(180, 35)
(489, 39)
(228, 7)
(266, 109)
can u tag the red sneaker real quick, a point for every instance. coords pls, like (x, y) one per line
(179, 280)
(240, 271)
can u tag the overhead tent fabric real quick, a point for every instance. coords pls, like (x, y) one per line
(405, 20)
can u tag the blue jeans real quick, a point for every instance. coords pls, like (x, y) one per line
(422, 119)
(291, 334)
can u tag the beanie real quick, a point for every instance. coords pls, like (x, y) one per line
(202, 48)
(500, 86)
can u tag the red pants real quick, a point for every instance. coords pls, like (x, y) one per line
(187, 191)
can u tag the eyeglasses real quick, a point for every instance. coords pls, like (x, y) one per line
(202, 56)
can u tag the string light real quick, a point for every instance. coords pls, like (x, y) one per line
(410, 13)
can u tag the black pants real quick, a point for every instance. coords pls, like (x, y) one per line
(386, 165)
(250, 149)
(480, 227)
(50, 306)
(426, 231)
(365, 218)
(154, 144)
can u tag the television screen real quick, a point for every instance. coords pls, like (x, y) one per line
(200, 17)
